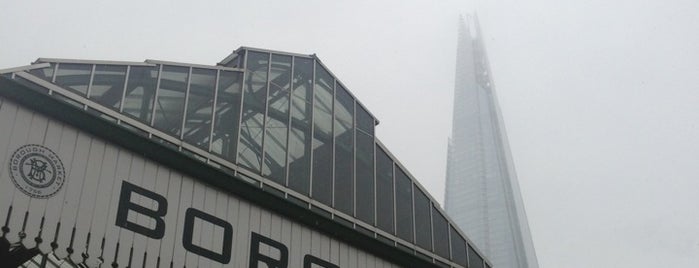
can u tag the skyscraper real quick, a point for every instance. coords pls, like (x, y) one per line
(482, 193)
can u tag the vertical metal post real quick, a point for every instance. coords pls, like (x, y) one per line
(395, 212)
(55, 71)
(288, 126)
(312, 122)
(53, 77)
(155, 95)
(213, 110)
(332, 143)
(89, 85)
(412, 202)
(126, 86)
(263, 131)
(375, 193)
(431, 227)
(186, 103)
(242, 104)
(354, 155)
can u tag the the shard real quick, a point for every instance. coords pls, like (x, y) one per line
(482, 192)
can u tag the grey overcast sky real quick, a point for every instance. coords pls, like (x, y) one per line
(600, 97)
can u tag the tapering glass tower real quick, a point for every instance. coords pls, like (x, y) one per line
(482, 193)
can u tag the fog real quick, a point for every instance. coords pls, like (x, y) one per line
(599, 97)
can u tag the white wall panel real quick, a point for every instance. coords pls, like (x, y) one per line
(180, 254)
(295, 248)
(18, 138)
(243, 234)
(111, 246)
(167, 247)
(87, 200)
(123, 252)
(65, 151)
(8, 112)
(37, 206)
(218, 234)
(101, 213)
(150, 170)
(266, 230)
(73, 188)
(81, 218)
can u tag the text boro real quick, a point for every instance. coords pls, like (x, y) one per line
(281, 260)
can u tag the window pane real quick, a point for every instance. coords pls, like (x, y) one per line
(44, 73)
(140, 91)
(75, 77)
(108, 85)
(364, 121)
(441, 234)
(384, 191)
(200, 105)
(404, 206)
(274, 165)
(169, 108)
(423, 228)
(344, 139)
(300, 137)
(227, 115)
(365, 177)
(254, 100)
(458, 247)
(474, 261)
(322, 136)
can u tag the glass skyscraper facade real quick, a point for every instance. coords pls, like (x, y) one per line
(482, 192)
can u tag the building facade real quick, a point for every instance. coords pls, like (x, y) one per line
(263, 160)
(482, 192)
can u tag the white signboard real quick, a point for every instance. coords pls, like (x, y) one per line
(66, 192)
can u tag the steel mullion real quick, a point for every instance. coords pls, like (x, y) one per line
(313, 134)
(451, 255)
(92, 77)
(395, 211)
(55, 71)
(186, 103)
(123, 92)
(213, 110)
(412, 201)
(263, 149)
(155, 95)
(288, 126)
(432, 227)
(376, 195)
(354, 156)
(332, 142)
(53, 77)
(242, 103)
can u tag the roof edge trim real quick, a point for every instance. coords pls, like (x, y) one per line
(105, 62)
(24, 68)
(218, 67)
(234, 54)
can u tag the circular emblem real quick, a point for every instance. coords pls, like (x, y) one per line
(37, 171)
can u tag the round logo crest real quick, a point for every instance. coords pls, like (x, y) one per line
(37, 171)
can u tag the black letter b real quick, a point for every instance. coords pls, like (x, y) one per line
(125, 205)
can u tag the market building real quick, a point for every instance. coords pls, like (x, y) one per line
(263, 160)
